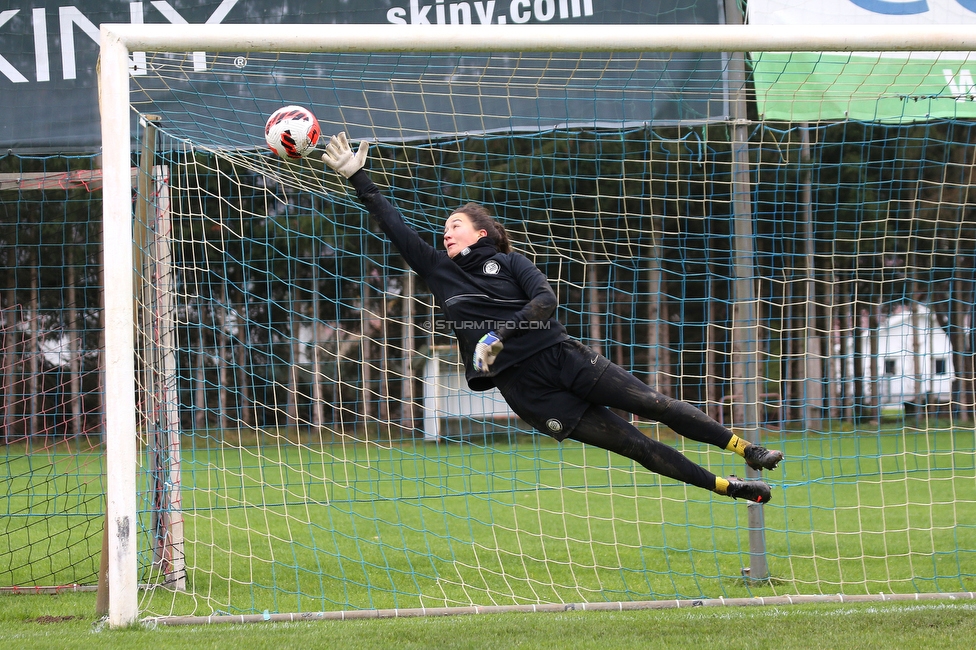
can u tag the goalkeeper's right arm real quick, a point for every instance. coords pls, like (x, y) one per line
(420, 255)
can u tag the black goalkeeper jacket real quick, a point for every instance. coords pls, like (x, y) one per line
(478, 291)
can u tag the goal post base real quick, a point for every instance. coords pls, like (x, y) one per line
(555, 608)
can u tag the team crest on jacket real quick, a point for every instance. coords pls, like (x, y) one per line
(554, 425)
(491, 268)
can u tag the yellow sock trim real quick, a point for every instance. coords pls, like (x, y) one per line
(721, 485)
(737, 444)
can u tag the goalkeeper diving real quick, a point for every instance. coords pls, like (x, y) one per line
(501, 308)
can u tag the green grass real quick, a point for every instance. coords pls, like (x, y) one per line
(67, 621)
(287, 526)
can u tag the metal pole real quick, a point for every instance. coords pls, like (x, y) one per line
(812, 382)
(745, 330)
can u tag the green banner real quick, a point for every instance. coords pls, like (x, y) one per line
(811, 86)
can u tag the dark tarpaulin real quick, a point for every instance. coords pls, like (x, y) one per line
(48, 84)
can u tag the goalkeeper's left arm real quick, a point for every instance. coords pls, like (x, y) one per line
(538, 310)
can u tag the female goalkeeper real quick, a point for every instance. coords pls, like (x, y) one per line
(501, 306)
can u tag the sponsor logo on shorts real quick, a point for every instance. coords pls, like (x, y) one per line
(492, 267)
(554, 425)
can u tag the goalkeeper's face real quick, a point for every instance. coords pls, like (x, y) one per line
(459, 233)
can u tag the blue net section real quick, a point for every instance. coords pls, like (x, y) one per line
(51, 393)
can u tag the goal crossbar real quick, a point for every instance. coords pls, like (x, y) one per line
(542, 38)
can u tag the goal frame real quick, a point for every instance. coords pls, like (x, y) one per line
(119, 41)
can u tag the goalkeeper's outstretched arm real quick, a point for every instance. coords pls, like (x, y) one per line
(339, 156)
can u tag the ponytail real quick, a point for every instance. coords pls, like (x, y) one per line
(501, 238)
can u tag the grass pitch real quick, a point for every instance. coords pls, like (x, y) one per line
(299, 525)
(66, 622)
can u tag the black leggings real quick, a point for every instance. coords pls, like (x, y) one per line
(602, 428)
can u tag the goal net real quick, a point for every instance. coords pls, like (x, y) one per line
(51, 456)
(709, 219)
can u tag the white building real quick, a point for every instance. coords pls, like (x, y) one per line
(913, 362)
(914, 358)
(447, 398)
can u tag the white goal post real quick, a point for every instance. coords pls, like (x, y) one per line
(118, 41)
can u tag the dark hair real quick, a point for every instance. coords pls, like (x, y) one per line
(481, 219)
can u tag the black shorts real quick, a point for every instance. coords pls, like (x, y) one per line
(548, 390)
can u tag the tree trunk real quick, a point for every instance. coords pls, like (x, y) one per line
(200, 393)
(291, 393)
(593, 308)
(408, 396)
(318, 407)
(245, 403)
(224, 356)
(75, 329)
(32, 352)
(812, 350)
(657, 330)
(8, 346)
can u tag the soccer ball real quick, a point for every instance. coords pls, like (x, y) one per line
(292, 132)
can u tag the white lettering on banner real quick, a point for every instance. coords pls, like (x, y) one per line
(486, 10)
(964, 89)
(519, 11)
(459, 13)
(42, 64)
(418, 17)
(564, 8)
(414, 12)
(165, 8)
(137, 62)
(70, 17)
(6, 68)
(545, 10)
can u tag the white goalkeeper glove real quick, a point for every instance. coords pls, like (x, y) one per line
(487, 351)
(339, 156)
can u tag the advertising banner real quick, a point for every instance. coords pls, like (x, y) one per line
(874, 86)
(49, 49)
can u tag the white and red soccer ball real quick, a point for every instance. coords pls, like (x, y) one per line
(292, 132)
